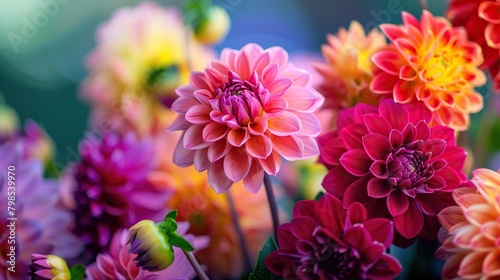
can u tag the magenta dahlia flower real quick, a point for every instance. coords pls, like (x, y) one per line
(40, 225)
(324, 242)
(118, 263)
(389, 160)
(113, 188)
(245, 113)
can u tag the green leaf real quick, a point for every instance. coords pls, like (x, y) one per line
(77, 272)
(319, 195)
(177, 240)
(260, 271)
(172, 215)
(169, 226)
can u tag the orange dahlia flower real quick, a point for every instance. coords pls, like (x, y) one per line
(430, 61)
(472, 249)
(348, 70)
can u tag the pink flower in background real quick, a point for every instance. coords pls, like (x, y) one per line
(324, 242)
(389, 160)
(245, 113)
(471, 239)
(35, 142)
(113, 188)
(143, 53)
(42, 226)
(118, 263)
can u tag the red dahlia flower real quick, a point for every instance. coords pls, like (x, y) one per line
(325, 242)
(389, 160)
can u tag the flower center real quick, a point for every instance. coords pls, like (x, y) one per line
(407, 166)
(332, 260)
(240, 98)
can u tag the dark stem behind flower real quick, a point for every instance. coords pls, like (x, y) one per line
(272, 204)
(239, 232)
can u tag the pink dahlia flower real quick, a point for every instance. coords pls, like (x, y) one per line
(323, 241)
(245, 113)
(114, 188)
(41, 226)
(389, 160)
(472, 245)
(118, 263)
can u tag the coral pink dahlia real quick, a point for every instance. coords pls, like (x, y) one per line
(472, 247)
(243, 114)
(433, 63)
(324, 242)
(389, 160)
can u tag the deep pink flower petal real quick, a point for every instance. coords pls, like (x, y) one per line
(397, 202)
(377, 124)
(381, 230)
(278, 260)
(402, 222)
(356, 213)
(337, 180)
(376, 146)
(356, 162)
(236, 164)
(253, 180)
(304, 208)
(396, 138)
(303, 227)
(217, 177)
(356, 192)
(372, 253)
(378, 188)
(403, 92)
(286, 240)
(331, 214)
(444, 133)
(183, 104)
(387, 61)
(352, 135)
(423, 131)
(280, 86)
(357, 237)
(199, 80)
(386, 268)
(431, 228)
(455, 157)
(435, 147)
(395, 114)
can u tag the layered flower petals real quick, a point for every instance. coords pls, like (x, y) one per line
(472, 247)
(256, 102)
(389, 158)
(325, 241)
(423, 64)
